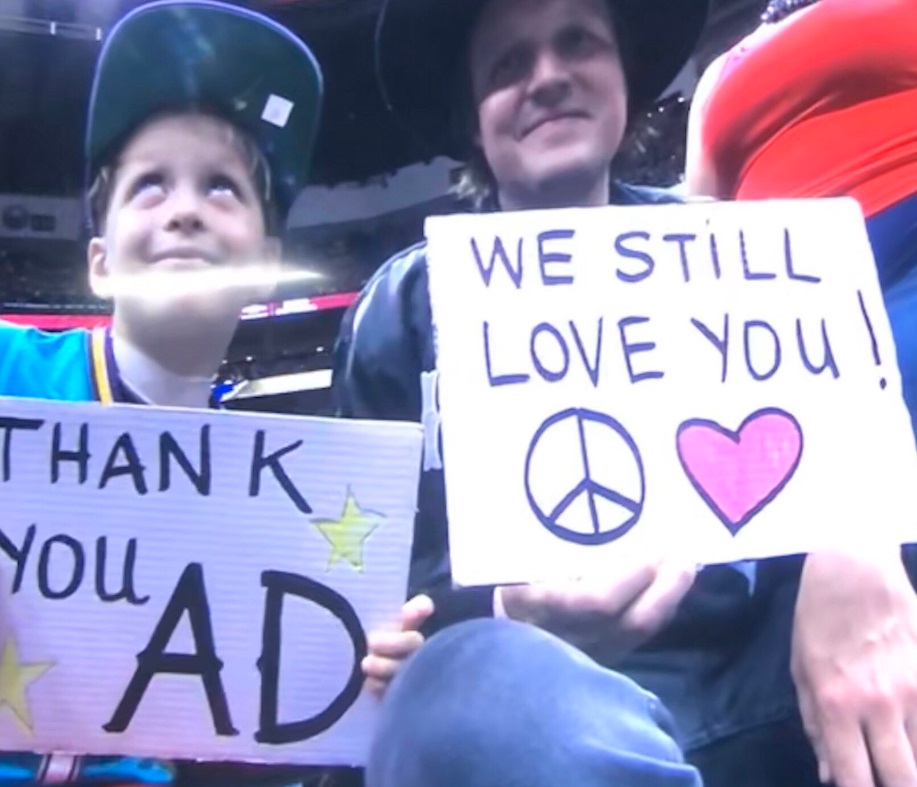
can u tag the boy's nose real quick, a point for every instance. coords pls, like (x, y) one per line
(185, 212)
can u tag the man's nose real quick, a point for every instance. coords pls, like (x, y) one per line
(550, 80)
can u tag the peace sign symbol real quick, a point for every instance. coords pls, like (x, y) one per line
(584, 477)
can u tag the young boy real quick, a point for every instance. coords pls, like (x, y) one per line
(202, 121)
(201, 125)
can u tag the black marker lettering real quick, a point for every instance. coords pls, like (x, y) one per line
(132, 465)
(9, 425)
(127, 574)
(19, 555)
(272, 461)
(80, 455)
(278, 586)
(76, 574)
(170, 449)
(190, 596)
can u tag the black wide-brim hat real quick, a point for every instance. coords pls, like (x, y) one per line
(216, 57)
(421, 44)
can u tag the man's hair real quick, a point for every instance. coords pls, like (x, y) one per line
(476, 184)
(103, 184)
(780, 9)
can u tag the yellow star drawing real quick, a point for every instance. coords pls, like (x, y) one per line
(14, 678)
(348, 533)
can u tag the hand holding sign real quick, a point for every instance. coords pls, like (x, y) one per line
(606, 616)
(707, 376)
(388, 650)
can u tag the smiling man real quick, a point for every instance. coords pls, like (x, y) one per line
(534, 96)
(551, 100)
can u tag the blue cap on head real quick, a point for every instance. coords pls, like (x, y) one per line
(221, 58)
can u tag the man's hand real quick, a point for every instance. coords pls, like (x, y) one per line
(388, 650)
(854, 661)
(606, 617)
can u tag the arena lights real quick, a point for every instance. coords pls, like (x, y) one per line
(48, 27)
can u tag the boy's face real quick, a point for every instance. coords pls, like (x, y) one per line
(184, 224)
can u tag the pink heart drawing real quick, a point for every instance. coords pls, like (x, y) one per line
(739, 473)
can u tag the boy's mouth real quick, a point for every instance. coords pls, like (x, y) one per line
(184, 253)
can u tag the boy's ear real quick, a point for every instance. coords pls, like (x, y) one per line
(99, 273)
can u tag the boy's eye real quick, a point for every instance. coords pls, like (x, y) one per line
(148, 184)
(223, 184)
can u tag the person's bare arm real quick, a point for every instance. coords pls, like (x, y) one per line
(700, 172)
(854, 663)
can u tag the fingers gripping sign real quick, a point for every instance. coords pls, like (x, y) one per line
(389, 650)
(608, 614)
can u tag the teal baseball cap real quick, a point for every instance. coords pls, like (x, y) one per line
(216, 57)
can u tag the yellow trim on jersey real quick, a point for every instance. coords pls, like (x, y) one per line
(100, 367)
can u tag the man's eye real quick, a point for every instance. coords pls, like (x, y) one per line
(577, 42)
(511, 66)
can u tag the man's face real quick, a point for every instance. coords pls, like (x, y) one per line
(184, 221)
(550, 89)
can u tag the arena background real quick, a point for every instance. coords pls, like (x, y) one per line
(371, 187)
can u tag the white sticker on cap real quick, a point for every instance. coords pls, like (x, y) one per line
(277, 110)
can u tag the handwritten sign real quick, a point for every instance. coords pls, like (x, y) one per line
(196, 585)
(715, 379)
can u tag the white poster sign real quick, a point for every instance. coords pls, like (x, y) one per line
(716, 379)
(196, 584)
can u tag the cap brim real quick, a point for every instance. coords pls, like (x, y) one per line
(420, 43)
(251, 70)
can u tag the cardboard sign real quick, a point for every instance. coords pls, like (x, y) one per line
(196, 584)
(718, 380)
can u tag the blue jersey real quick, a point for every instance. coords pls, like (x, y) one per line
(73, 366)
